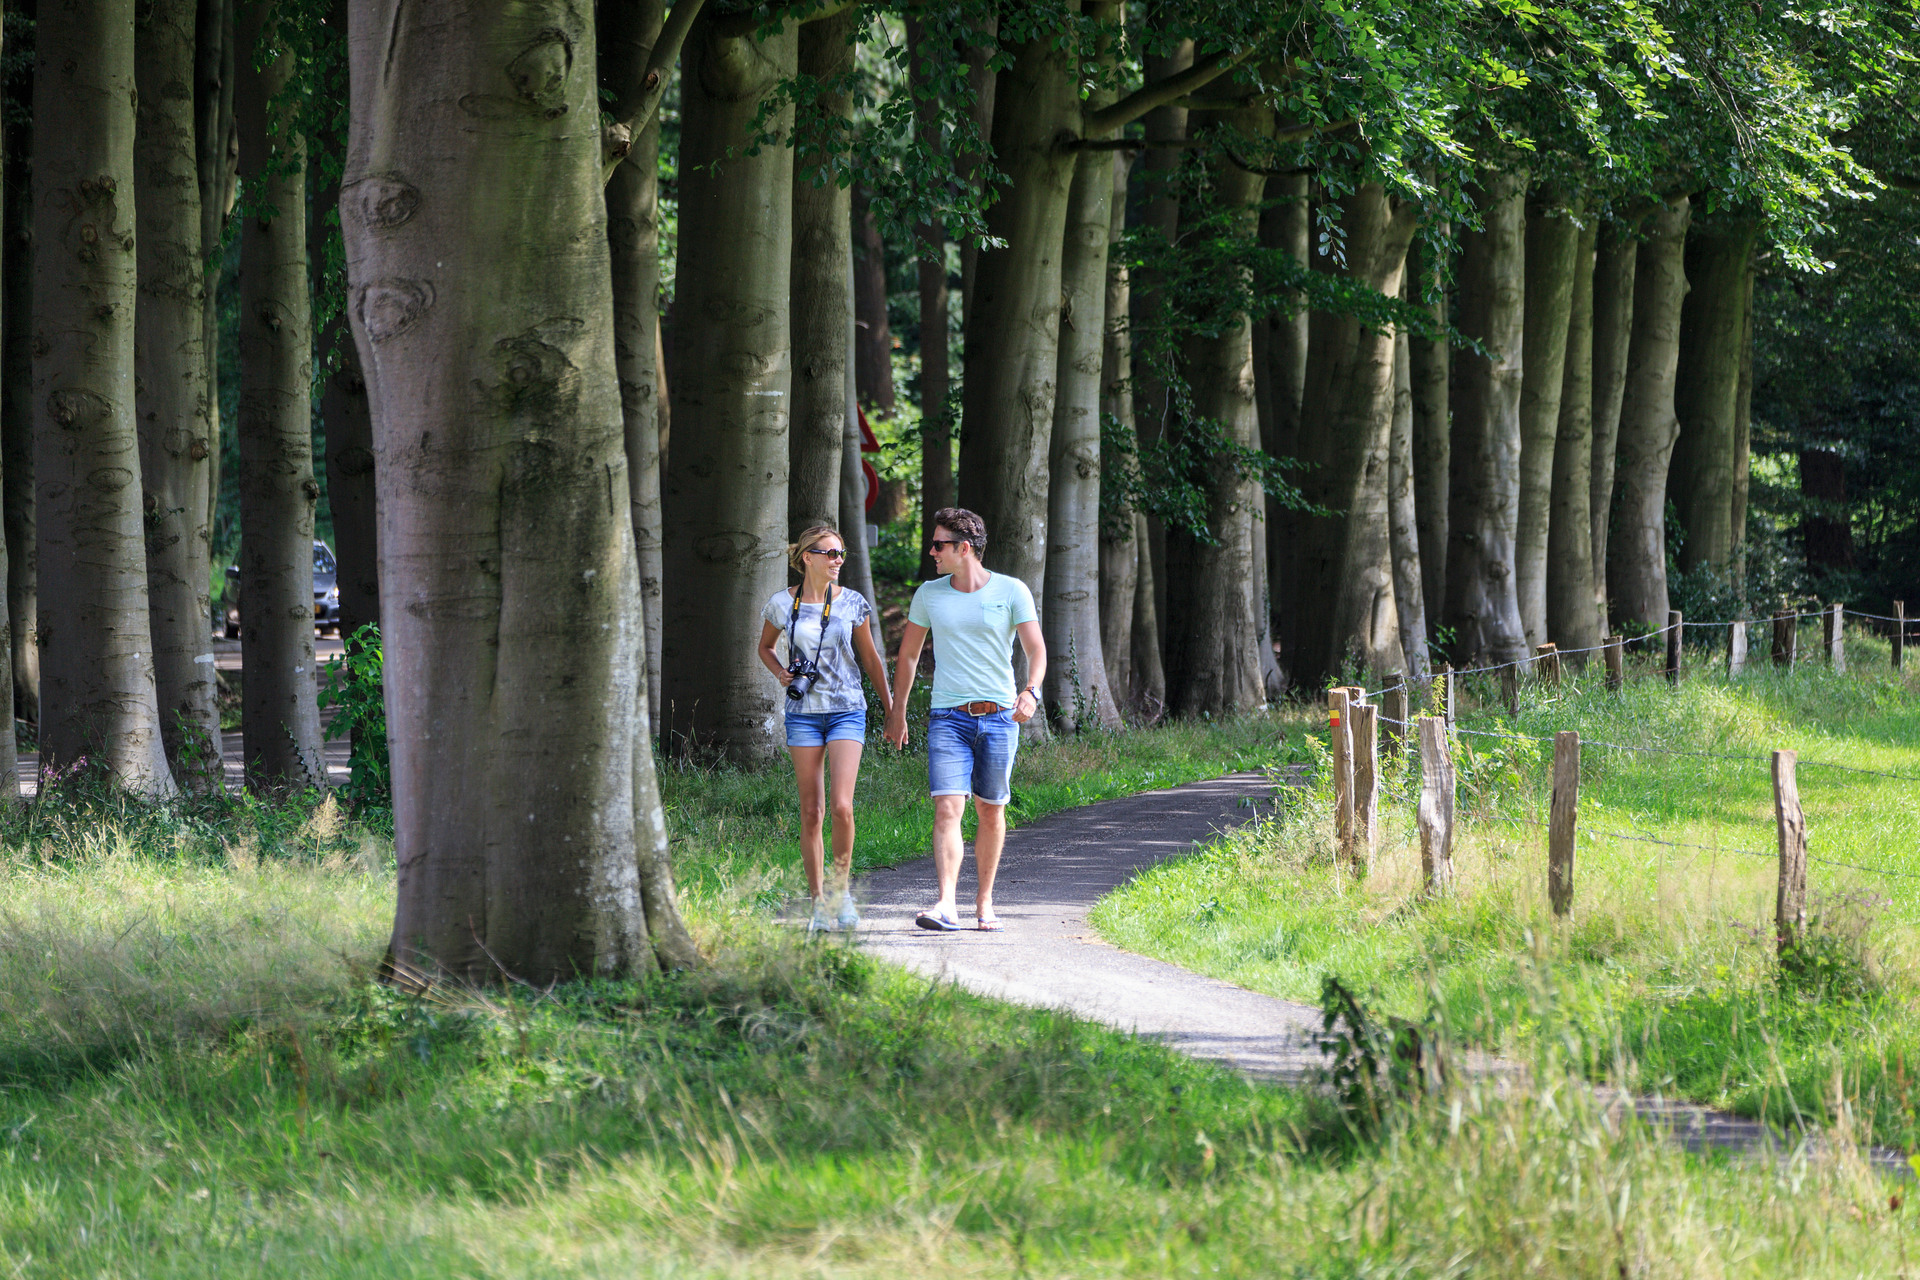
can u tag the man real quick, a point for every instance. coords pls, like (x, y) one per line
(973, 616)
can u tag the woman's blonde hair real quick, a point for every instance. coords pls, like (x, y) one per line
(807, 541)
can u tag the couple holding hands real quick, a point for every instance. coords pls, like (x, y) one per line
(973, 616)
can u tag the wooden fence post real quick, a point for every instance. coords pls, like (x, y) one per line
(1836, 630)
(1736, 649)
(1562, 820)
(1394, 724)
(1790, 905)
(1366, 783)
(1785, 634)
(1676, 631)
(1547, 664)
(1899, 632)
(1510, 687)
(1339, 722)
(1616, 656)
(1436, 804)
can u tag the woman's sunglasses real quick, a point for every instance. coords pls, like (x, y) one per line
(831, 555)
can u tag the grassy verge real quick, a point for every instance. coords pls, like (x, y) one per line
(1667, 966)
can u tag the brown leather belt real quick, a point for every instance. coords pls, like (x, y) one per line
(980, 708)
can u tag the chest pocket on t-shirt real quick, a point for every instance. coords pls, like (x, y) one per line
(996, 614)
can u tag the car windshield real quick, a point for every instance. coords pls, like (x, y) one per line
(322, 558)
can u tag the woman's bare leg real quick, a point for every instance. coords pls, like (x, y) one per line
(843, 759)
(809, 770)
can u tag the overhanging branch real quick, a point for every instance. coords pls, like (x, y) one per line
(617, 139)
(1162, 92)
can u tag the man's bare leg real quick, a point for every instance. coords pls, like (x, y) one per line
(948, 850)
(989, 835)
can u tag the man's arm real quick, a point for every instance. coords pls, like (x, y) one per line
(1036, 646)
(911, 642)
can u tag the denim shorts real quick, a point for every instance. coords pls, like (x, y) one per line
(818, 728)
(972, 755)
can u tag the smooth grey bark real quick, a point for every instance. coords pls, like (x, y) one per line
(174, 392)
(1482, 600)
(1743, 440)
(1285, 225)
(1637, 554)
(1616, 261)
(1707, 389)
(279, 716)
(1553, 237)
(726, 476)
(1573, 621)
(873, 343)
(1403, 518)
(984, 81)
(1077, 678)
(936, 424)
(1120, 549)
(217, 170)
(825, 276)
(1346, 596)
(852, 507)
(1429, 360)
(16, 401)
(1013, 328)
(528, 827)
(627, 31)
(97, 692)
(1213, 660)
(1149, 671)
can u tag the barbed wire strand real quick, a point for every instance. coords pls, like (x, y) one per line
(1716, 848)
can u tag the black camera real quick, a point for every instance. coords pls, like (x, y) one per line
(804, 672)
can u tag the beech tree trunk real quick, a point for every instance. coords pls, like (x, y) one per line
(1707, 390)
(1637, 565)
(1149, 672)
(1616, 263)
(1347, 606)
(726, 482)
(174, 392)
(279, 715)
(1013, 330)
(217, 169)
(528, 826)
(1120, 549)
(1825, 533)
(1070, 613)
(984, 81)
(826, 275)
(936, 424)
(9, 757)
(873, 348)
(1552, 239)
(16, 400)
(1429, 360)
(858, 570)
(1285, 225)
(97, 695)
(1408, 589)
(1482, 601)
(1572, 620)
(626, 33)
(1743, 441)
(1213, 660)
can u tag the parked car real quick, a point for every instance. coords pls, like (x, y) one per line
(326, 593)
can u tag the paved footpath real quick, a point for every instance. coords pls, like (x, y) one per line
(1048, 955)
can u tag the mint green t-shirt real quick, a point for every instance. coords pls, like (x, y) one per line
(973, 634)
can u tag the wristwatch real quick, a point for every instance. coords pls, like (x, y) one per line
(1035, 692)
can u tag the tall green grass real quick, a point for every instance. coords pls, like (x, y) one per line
(1668, 960)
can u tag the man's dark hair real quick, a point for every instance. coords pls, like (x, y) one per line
(969, 526)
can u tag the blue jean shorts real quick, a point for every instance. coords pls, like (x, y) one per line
(818, 728)
(972, 755)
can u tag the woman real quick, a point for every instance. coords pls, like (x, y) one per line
(825, 625)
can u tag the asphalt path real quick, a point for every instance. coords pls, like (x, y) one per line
(1047, 955)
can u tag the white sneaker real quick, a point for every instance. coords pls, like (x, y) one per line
(849, 916)
(821, 922)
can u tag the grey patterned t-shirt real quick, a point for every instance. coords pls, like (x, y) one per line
(838, 688)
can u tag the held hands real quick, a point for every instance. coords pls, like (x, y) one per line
(896, 730)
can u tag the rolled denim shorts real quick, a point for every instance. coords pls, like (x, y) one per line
(972, 755)
(818, 728)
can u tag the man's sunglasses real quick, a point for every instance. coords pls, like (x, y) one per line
(955, 543)
(831, 555)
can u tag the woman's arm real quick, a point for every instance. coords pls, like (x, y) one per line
(768, 635)
(874, 665)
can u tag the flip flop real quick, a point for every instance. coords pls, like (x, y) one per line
(934, 920)
(987, 924)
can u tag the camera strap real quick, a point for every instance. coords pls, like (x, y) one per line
(793, 624)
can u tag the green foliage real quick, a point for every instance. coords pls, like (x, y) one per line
(355, 692)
